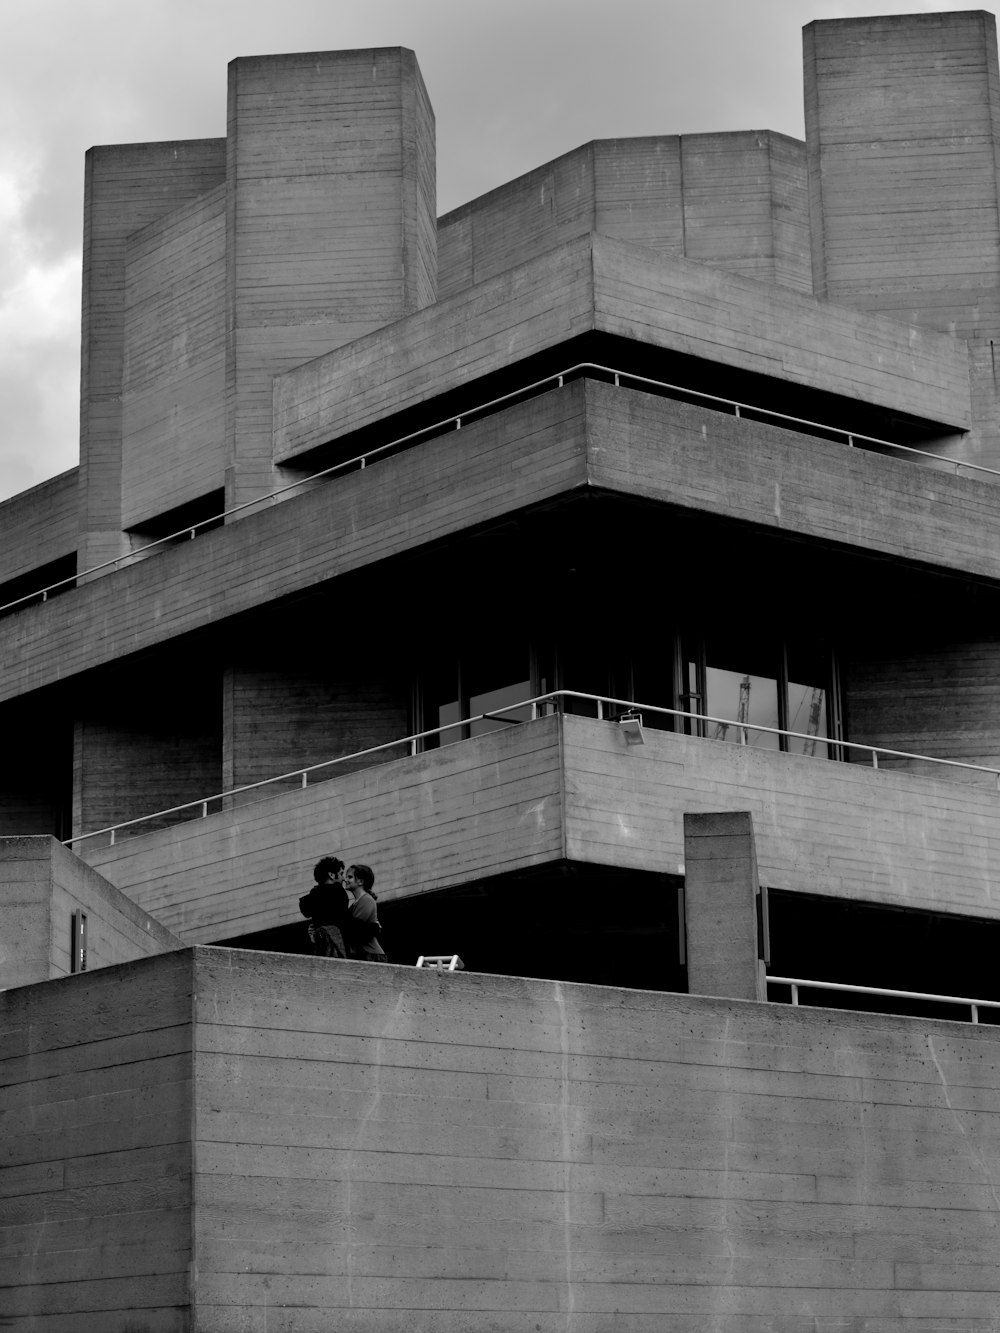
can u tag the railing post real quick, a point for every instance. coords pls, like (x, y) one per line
(850, 441)
(305, 781)
(874, 759)
(975, 1012)
(737, 406)
(795, 993)
(204, 809)
(112, 843)
(600, 710)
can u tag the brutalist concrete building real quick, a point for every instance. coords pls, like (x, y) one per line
(613, 564)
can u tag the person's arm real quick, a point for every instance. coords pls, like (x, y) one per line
(365, 919)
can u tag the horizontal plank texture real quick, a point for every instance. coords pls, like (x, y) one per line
(737, 201)
(624, 289)
(387, 1148)
(39, 525)
(42, 885)
(95, 1166)
(127, 186)
(902, 116)
(534, 452)
(430, 822)
(173, 412)
(329, 222)
(569, 787)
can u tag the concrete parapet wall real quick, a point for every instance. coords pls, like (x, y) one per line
(568, 787)
(96, 1162)
(737, 201)
(383, 1149)
(39, 525)
(596, 283)
(42, 884)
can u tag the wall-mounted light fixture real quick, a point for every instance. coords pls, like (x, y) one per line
(630, 725)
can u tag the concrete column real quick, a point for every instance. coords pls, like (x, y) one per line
(126, 187)
(720, 888)
(330, 223)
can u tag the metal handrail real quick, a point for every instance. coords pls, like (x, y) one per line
(797, 982)
(558, 378)
(536, 705)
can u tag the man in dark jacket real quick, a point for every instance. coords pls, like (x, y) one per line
(327, 905)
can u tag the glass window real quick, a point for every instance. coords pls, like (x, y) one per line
(808, 700)
(741, 686)
(742, 698)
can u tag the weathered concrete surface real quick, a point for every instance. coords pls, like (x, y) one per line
(173, 410)
(737, 201)
(95, 1156)
(215, 1136)
(569, 787)
(587, 434)
(721, 884)
(39, 525)
(127, 186)
(596, 283)
(330, 222)
(41, 885)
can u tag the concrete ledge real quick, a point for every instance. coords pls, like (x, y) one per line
(596, 283)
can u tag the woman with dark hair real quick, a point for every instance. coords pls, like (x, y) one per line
(327, 904)
(363, 926)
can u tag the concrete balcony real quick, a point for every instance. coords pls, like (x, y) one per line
(586, 436)
(568, 789)
(596, 284)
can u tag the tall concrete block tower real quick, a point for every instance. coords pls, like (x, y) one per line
(330, 223)
(902, 120)
(127, 187)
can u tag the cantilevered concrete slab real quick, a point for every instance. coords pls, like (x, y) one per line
(568, 787)
(587, 435)
(595, 283)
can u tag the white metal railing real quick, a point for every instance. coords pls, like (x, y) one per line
(535, 707)
(797, 983)
(557, 379)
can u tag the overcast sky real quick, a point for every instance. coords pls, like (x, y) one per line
(513, 83)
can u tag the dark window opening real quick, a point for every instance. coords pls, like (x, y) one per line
(867, 944)
(200, 516)
(30, 585)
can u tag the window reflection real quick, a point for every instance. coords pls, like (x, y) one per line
(743, 698)
(807, 715)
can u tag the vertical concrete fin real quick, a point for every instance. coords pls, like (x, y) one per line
(720, 890)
